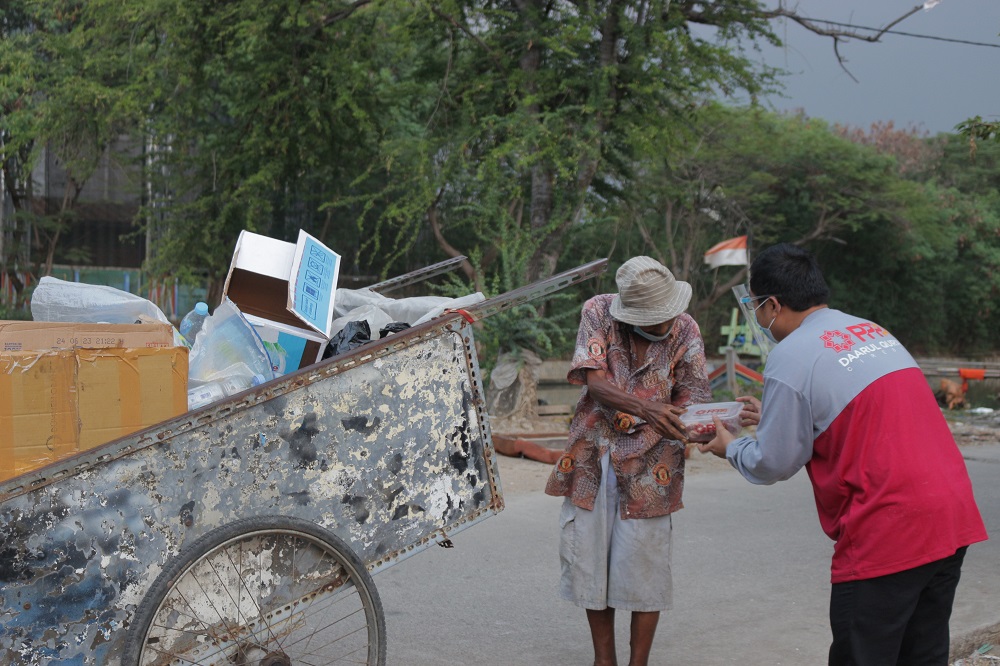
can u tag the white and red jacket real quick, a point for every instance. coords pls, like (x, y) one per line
(844, 398)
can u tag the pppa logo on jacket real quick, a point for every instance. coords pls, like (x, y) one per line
(838, 341)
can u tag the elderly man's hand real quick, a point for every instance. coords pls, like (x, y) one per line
(721, 441)
(666, 420)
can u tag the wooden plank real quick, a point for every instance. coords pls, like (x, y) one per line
(555, 410)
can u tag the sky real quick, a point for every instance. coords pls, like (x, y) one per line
(916, 83)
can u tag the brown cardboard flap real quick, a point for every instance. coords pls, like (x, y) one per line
(261, 296)
(38, 335)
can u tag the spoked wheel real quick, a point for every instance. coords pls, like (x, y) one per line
(264, 591)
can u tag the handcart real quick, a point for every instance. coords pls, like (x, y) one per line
(247, 532)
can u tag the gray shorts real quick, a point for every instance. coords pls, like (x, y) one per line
(610, 562)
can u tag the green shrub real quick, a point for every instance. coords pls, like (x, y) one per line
(8, 312)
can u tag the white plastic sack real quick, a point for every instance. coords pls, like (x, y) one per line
(59, 300)
(436, 309)
(414, 310)
(376, 317)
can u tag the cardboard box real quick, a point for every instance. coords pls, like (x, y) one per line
(288, 286)
(56, 403)
(288, 347)
(37, 335)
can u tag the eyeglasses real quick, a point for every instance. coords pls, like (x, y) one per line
(751, 299)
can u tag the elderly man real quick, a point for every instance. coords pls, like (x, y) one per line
(641, 360)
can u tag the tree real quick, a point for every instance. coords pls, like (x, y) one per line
(914, 152)
(259, 113)
(62, 95)
(976, 129)
(747, 171)
(541, 105)
(542, 109)
(894, 233)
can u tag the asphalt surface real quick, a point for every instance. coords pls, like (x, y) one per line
(751, 582)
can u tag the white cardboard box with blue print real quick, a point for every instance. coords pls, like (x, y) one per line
(286, 291)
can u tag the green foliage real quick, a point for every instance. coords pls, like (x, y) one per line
(901, 224)
(14, 313)
(546, 328)
(969, 172)
(976, 129)
(376, 126)
(745, 171)
(520, 328)
(937, 255)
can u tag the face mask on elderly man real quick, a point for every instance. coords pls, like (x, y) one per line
(650, 336)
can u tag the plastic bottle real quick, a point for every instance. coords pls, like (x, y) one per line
(192, 322)
(210, 392)
(206, 394)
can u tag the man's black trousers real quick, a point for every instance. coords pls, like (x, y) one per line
(901, 618)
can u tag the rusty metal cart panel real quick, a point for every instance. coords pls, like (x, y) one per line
(380, 452)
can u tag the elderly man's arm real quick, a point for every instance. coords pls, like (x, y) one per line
(662, 418)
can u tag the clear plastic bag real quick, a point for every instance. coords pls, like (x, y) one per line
(228, 349)
(372, 315)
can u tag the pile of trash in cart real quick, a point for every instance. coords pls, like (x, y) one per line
(97, 363)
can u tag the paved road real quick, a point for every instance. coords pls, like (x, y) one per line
(751, 578)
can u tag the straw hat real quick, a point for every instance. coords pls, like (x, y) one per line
(648, 294)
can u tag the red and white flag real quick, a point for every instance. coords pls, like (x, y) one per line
(732, 252)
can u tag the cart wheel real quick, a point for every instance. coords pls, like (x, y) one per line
(262, 591)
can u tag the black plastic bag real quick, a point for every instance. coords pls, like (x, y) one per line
(355, 334)
(394, 327)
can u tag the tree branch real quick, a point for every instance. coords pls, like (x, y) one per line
(344, 13)
(814, 25)
(468, 33)
(712, 15)
(449, 249)
(720, 291)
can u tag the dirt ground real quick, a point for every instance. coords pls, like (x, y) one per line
(970, 429)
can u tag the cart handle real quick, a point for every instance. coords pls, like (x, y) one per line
(533, 291)
(418, 275)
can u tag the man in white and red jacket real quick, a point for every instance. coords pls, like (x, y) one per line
(843, 398)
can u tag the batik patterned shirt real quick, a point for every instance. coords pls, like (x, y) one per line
(649, 468)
